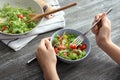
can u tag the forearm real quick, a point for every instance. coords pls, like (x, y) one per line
(50, 73)
(112, 50)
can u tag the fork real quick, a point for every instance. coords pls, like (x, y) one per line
(77, 41)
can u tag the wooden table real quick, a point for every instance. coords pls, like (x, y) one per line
(97, 66)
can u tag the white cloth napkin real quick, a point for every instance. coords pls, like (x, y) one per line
(56, 22)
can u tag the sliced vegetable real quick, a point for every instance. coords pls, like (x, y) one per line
(64, 47)
(82, 46)
(3, 28)
(73, 46)
(15, 19)
(56, 50)
(20, 16)
(61, 47)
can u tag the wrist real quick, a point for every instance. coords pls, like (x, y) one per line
(105, 43)
(50, 72)
(48, 68)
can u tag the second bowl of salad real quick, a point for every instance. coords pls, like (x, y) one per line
(14, 15)
(66, 51)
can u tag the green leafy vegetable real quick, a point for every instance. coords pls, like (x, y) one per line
(15, 20)
(63, 48)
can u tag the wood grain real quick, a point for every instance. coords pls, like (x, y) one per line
(97, 66)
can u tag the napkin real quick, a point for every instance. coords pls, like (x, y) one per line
(45, 25)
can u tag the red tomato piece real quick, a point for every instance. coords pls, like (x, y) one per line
(61, 47)
(3, 28)
(73, 46)
(65, 54)
(82, 46)
(60, 38)
(20, 16)
(56, 50)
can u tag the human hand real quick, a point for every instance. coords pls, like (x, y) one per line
(45, 54)
(46, 57)
(102, 30)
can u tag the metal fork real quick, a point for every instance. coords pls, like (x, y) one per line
(81, 37)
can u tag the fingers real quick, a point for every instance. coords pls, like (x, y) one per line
(45, 43)
(97, 17)
(95, 29)
(42, 45)
(48, 44)
(106, 22)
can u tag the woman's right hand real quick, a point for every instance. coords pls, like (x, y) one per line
(102, 30)
(102, 33)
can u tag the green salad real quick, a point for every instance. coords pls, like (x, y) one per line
(13, 20)
(64, 47)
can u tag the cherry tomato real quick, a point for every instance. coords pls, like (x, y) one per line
(60, 38)
(82, 46)
(65, 54)
(20, 16)
(56, 50)
(75, 52)
(73, 46)
(61, 47)
(3, 28)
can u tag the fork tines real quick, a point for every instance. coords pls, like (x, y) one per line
(78, 40)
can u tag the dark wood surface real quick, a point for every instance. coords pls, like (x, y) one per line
(97, 66)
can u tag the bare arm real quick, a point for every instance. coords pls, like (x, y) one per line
(102, 34)
(112, 50)
(50, 73)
